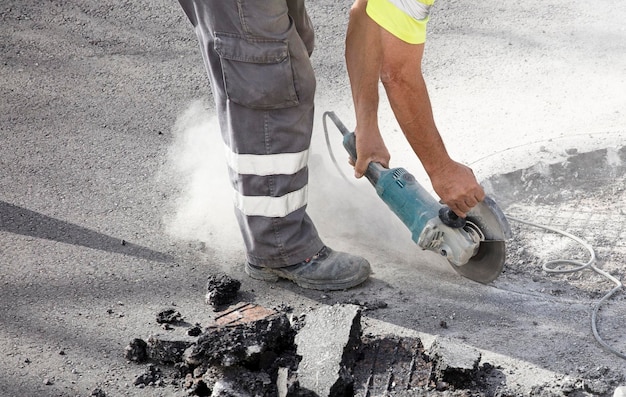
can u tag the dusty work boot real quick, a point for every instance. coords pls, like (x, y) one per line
(326, 270)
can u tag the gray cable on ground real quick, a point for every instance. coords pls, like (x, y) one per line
(549, 267)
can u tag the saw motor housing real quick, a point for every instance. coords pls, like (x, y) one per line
(419, 211)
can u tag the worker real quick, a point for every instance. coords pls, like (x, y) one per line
(257, 58)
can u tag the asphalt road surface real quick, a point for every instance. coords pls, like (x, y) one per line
(114, 202)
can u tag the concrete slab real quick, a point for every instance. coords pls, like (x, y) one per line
(325, 343)
(454, 361)
(391, 364)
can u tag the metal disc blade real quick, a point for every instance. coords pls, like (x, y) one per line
(487, 264)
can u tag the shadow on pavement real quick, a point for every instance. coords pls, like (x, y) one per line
(19, 220)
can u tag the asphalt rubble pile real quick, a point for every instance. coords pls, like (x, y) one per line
(250, 350)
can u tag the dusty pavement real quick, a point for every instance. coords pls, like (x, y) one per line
(113, 203)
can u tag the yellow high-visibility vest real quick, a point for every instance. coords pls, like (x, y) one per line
(405, 19)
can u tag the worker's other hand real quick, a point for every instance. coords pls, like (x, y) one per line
(369, 148)
(457, 187)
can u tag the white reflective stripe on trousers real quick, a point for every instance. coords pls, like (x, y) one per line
(267, 164)
(271, 207)
(413, 8)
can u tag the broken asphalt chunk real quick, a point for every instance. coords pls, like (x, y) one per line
(167, 348)
(240, 342)
(152, 377)
(136, 351)
(169, 316)
(98, 393)
(221, 290)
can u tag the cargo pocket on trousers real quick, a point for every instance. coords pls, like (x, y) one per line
(257, 74)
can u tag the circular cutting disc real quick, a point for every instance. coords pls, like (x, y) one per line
(488, 262)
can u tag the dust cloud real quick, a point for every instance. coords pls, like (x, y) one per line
(196, 166)
(347, 213)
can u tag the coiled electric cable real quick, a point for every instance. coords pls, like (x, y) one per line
(550, 267)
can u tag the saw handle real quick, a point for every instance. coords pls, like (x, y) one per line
(373, 171)
(349, 143)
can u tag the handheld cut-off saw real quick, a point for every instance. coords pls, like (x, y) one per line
(474, 246)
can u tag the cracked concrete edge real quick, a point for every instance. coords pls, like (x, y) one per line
(523, 378)
(327, 333)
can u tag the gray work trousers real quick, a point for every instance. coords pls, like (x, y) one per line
(256, 53)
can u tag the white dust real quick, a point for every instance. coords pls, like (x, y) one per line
(347, 211)
(348, 214)
(196, 166)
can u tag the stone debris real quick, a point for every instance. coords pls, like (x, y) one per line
(98, 393)
(241, 381)
(136, 351)
(327, 343)
(249, 350)
(221, 290)
(167, 348)
(152, 377)
(196, 386)
(196, 330)
(367, 305)
(169, 316)
(597, 387)
(243, 353)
